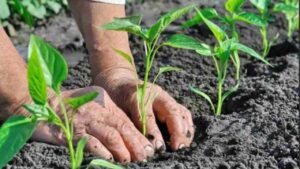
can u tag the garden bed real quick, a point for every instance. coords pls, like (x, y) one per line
(259, 125)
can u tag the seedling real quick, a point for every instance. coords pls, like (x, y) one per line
(151, 38)
(46, 69)
(263, 8)
(291, 10)
(233, 15)
(220, 54)
(29, 9)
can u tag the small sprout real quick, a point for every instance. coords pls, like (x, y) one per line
(46, 68)
(220, 54)
(151, 38)
(291, 10)
(233, 15)
(263, 9)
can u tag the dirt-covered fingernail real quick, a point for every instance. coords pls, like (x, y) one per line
(149, 150)
(181, 146)
(160, 146)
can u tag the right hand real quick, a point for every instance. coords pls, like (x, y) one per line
(111, 134)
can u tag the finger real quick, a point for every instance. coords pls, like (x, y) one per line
(138, 145)
(95, 146)
(177, 118)
(111, 139)
(153, 133)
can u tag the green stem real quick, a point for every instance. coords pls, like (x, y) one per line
(265, 41)
(290, 27)
(67, 132)
(219, 105)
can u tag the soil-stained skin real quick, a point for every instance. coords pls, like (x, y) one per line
(259, 126)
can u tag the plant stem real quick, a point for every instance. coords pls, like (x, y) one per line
(264, 33)
(219, 105)
(67, 132)
(290, 25)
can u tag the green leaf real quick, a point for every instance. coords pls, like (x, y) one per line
(54, 6)
(53, 63)
(216, 30)
(37, 110)
(208, 13)
(14, 133)
(126, 56)
(22, 10)
(234, 6)
(186, 42)
(251, 18)
(285, 8)
(79, 151)
(249, 51)
(37, 83)
(104, 163)
(168, 69)
(4, 10)
(230, 91)
(37, 11)
(76, 102)
(261, 5)
(129, 24)
(165, 20)
(204, 95)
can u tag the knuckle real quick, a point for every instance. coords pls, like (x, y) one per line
(112, 137)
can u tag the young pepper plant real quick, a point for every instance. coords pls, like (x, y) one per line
(220, 55)
(291, 10)
(233, 15)
(263, 8)
(151, 39)
(46, 70)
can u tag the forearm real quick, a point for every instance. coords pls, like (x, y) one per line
(100, 43)
(108, 70)
(13, 82)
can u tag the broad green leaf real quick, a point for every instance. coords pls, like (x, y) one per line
(234, 6)
(37, 11)
(249, 51)
(204, 95)
(261, 5)
(53, 63)
(104, 163)
(76, 102)
(186, 42)
(285, 8)
(165, 20)
(251, 18)
(36, 80)
(54, 6)
(219, 34)
(230, 91)
(4, 10)
(22, 10)
(79, 151)
(14, 133)
(126, 56)
(129, 24)
(208, 13)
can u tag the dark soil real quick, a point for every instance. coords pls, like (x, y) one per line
(259, 125)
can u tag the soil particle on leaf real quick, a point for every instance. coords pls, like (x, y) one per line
(259, 127)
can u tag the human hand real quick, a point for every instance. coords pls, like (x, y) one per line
(111, 134)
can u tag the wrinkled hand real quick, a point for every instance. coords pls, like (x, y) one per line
(164, 108)
(110, 133)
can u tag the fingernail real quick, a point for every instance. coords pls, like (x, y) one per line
(160, 146)
(149, 150)
(144, 161)
(181, 146)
